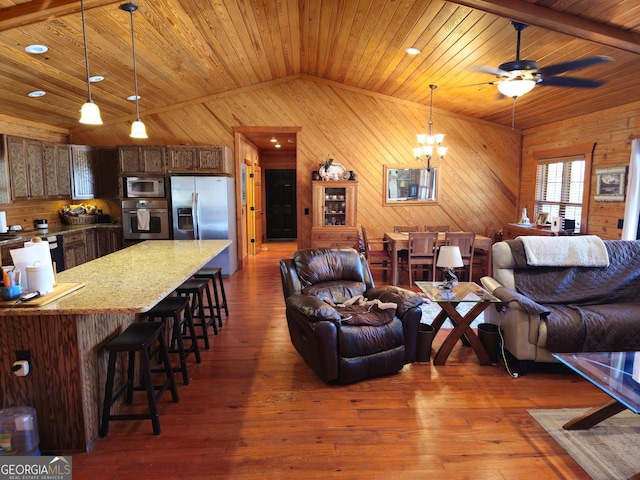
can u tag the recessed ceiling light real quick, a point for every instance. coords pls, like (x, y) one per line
(96, 78)
(133, 98)
(274, 140)
(36, 49)
(412, 51)
(278, 145)
(36, 94)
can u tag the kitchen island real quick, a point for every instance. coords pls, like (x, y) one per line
(65, 339)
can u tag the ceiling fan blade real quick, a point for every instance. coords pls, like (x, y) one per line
(569, 82)
(489, 70)
(557, 68)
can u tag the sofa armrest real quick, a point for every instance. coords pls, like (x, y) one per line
(312, 308)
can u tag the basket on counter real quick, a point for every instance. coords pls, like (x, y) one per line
(79, 219)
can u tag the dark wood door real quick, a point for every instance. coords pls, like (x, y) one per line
(280, 187)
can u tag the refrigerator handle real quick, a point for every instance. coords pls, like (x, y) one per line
(194, 215)
(197, 210)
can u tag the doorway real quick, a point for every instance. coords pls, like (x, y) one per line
(280, 204)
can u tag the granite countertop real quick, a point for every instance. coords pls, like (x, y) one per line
(131, 280)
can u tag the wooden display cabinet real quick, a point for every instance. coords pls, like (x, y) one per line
(335, 214)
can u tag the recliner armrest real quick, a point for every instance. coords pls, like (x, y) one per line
(313, 308)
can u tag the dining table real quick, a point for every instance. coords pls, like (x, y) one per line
(400, 241)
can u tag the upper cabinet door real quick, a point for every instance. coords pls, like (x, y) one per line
(57, 170)
(26, 169)
(83, 168)
(149, 159)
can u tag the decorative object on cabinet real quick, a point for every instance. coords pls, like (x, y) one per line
(332, 170)
(541, 218)
(410, 186)
(138, 130)
(610, 184)
(334, 214)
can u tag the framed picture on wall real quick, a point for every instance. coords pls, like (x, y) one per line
(610, 184)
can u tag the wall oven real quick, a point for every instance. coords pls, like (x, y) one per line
(144, 187)
(145, 219)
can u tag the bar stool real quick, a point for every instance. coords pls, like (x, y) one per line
(138, 337)
(215, 275)
(195, 289)
(178, 309)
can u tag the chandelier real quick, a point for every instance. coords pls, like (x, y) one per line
(430, 147)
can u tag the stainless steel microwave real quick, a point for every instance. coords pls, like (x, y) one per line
(144, 187)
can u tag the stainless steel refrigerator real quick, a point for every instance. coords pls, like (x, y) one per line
(204, 208)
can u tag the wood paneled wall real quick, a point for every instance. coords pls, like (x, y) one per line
(363, 131)
(609, 132)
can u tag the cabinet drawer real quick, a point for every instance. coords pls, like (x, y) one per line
(334, 239)
(71, 238)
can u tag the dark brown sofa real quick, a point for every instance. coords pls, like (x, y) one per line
(339, 347)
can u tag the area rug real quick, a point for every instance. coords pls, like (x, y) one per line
(608, 450)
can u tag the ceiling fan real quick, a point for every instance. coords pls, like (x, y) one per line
(518, 77)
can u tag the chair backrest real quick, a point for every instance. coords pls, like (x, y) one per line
(365, 239)
(422, 245)
(464, 240)
(406, 228)
(437, 228)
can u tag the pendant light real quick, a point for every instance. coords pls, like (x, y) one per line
(89, 113)
(430, 144)
(138, 130)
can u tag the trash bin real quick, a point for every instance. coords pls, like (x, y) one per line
(19, 431)
(425, 337)
(490, 338)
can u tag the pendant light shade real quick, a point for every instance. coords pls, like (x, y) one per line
(138, 130)
(89, 113)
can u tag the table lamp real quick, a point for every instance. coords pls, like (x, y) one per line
(449, 258)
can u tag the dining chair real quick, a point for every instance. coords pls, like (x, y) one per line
(437, 228)
(465, 241)
(423, 248)
(483, 259)
(406, 228)
(377, 251)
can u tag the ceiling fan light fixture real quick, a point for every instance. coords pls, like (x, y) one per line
(516, 87)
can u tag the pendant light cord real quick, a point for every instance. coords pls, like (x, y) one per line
(86, 50)
(135, 71)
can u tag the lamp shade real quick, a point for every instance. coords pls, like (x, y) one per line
(449, 257)
(138, 130)
(516, 87)
(90, 114)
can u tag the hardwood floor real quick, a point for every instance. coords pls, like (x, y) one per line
(253, 409)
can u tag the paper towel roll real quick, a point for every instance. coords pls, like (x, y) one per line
(32, 254)
(3, 222)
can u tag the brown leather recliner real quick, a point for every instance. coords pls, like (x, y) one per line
(339, 349)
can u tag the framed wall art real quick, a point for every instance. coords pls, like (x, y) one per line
(611, 184)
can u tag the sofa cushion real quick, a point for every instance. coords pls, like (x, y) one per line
(356, 341)
(337, 291)
(317, 265)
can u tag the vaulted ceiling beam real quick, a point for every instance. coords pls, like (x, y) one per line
(558, 21)
(41, 10)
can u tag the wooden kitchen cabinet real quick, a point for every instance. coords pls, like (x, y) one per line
(147, 160)
(26, 168)
(106, 173)
(57, 168)
(75, 250)
(334, 214)
(212, 160)
(83, 168)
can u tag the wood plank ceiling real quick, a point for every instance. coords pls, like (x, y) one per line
(188, 50)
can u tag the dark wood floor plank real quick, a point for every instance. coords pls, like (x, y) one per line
(254, 410)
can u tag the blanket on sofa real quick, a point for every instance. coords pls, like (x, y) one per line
(591, 308)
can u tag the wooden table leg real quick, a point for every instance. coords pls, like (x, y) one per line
(462, 327)
(394, 263)
(594, 415)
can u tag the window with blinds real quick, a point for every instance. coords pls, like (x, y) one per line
(560, 187)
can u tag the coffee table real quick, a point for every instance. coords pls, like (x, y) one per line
(448, 300)
(615, 373)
